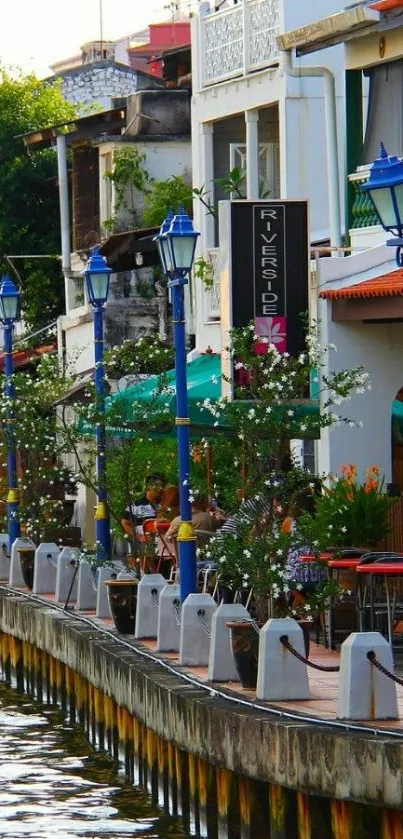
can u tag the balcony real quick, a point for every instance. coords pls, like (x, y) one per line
(239, 40)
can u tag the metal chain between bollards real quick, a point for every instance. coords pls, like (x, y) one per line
(326, 669)
(154, 595)
(374, 661)
(176, 605)
(200, 614)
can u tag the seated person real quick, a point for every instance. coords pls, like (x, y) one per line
(202, 519)
(145, 507)
(306, 574)
(169, 506)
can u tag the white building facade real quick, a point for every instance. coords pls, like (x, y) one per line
(248, 113)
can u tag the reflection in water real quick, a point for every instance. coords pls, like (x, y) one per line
(53, 784)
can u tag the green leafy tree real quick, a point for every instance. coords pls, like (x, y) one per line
(131, 179)
(29, 206)
(164, 196)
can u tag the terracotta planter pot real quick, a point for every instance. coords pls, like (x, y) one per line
(122, 595)
(245, 646)
(27, 564)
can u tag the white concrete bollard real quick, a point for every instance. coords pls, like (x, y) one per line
(281, 675)
(194, 645)
(16, 578)
(168, 631)
(105, 572)
(148, 592)
(4, 557)
(66, 572)
(45, 568)
(221, 664)
(364, 692)
(86, 590)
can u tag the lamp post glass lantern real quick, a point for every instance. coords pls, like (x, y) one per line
(9, 314)
(97, 275)
(385, 190)
(176, 245)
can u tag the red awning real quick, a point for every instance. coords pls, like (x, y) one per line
(23, 357)
(388, 285)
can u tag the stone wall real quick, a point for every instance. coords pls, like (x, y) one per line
(102, 82)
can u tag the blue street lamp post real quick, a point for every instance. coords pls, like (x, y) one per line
(385, 189)
(97, 275)
(176, 244)
(9, 312)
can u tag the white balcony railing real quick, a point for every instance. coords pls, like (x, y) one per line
(238, 40)
(213, 295)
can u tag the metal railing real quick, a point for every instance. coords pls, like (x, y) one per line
(238, 40)
(362, 210)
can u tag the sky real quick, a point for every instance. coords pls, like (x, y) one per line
(36, 33)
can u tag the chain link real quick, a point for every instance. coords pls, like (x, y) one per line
(325, 668)
(200, 614)
(154, 595)
(176, 605)
(373, 659)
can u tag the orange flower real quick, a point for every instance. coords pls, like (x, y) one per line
(349, 471)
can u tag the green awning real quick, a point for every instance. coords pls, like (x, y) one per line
(203, 382)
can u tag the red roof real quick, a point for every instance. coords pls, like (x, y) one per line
(389, 285)
(386, 5)
(23, 357)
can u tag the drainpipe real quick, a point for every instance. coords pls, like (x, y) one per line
(331, 138)
(64, 212)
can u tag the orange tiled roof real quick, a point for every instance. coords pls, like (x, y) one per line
(386, 5)
(389, 285)
(23, 357)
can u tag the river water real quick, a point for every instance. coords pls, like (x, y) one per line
(53, 785)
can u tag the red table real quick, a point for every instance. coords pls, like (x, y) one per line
(386, 570)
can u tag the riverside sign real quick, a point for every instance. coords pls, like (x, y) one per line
(270, 270)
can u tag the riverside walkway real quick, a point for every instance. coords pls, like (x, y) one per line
(320, 707)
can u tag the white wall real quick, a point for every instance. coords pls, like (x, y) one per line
(376, 346)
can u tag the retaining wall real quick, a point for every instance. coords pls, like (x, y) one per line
(278, 773)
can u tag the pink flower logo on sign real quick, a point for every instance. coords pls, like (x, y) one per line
(271, 330)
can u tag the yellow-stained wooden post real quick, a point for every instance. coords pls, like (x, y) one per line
(152, 764)
(99, 709)
(342, 819)
(71, 699)
(137, 752)
(254, 807)
(172, 780)
(162, 763)
(304, 816)
(207, 798)
(228, 804)
(6, 657)
(392, 824)
(193, 794)
(283, 813)
(182, 782)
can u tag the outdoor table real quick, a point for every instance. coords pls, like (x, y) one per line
(334, 566)
(387, 570)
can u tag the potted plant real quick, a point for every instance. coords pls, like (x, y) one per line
(27, 563)
(121, 586)
(350, 513)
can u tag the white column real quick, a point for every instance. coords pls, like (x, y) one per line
(252, 154)
(207, 179)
